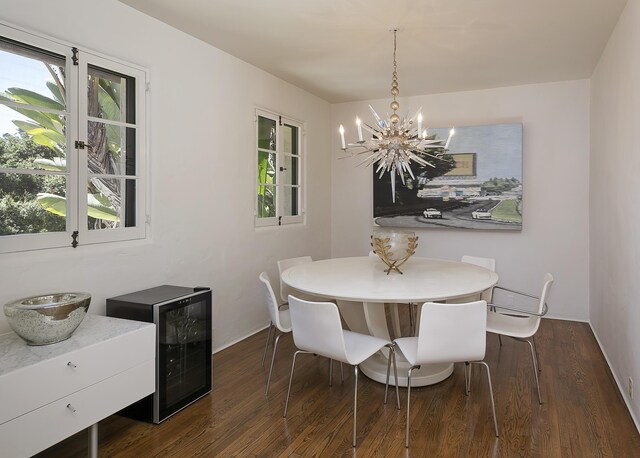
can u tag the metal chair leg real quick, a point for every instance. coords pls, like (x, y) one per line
(535, 368)
(467, 378)
(293, 365)
(392, 356)
(341, 374)
(330, 372)
(355, 403)
(535, 349)
(273, 358)
(266, 345)
(500, 339)
(406, 442)
(493, 405)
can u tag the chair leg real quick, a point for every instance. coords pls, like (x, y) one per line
(500, 339)
(535, 368)
(341, 374)
(330, 372)
(467, 378)
(266, 345)
(493, 405)
(293, 365)
(355, 403)
(273, 358)
(406, 442)
(535, 349)
(392, 356)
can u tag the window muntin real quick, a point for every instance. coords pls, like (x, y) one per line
(279, 167)
(88, 189)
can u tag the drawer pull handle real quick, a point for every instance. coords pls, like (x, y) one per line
(70, 364)
(71, 408)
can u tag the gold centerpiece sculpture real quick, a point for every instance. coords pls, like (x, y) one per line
(394, 247)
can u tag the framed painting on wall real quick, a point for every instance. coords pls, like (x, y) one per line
(477, 186)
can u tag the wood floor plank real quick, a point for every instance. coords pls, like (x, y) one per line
(582, 415)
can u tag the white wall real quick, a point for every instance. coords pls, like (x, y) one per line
(615, 215)
(554, 238)
(202, 160)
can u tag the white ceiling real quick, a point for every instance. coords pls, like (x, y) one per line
(341, 50)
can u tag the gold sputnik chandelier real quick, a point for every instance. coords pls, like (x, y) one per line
(396, 142)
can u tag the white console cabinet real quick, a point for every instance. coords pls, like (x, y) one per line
(48, 393)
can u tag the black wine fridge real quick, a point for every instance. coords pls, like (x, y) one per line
(183, 346)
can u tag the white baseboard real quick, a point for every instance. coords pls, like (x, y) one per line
(239, 339)
(564, 318)
(621, 386)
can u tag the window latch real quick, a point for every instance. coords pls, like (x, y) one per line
(279, 220)
(82, 145)
(74, 238)
(282, 169)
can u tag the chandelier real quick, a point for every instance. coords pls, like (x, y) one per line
(395, 143)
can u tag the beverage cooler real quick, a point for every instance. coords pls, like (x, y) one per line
(183, 346)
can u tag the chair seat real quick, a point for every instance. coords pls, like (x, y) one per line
(512, 326)
(361, 346)
(409, 348)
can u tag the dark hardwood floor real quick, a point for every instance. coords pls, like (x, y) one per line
(583, 414)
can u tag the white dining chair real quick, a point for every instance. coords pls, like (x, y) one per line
(448, 333)
(283, 265)
(524, 324)
(317, 330)
(487, 263)
(280, 322)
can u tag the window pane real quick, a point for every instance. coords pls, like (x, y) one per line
(291, 200)
(291, 169)
(111, 149)
(266, 201)
(27, 145)
(109, 202)
(290, 137)
(31, 76)
(111, 95)
(31, 204)
(266, 167)
(266, 133)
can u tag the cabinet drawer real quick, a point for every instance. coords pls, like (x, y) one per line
(44, 427)
(50, 380)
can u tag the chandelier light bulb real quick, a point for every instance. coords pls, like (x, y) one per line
(359, 124)
(344, 146)
(419, 123)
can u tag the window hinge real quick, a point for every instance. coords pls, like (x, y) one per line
(280, 120)
(74, 58)
(279, 220)
(81, 145)
(147, 86)
(74, 239)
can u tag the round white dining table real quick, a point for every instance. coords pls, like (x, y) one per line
(361, 287)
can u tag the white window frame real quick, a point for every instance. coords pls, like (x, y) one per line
(281, 219)
(76, 130)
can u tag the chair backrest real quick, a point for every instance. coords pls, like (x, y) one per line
(487, 263)
(317, 328)
(452, 332)
(271, 302)
(284, 265)
(546, 287)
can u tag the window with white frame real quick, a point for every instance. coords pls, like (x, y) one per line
(72, 145)
(279, 169)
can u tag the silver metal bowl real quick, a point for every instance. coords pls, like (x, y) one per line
(47, 319)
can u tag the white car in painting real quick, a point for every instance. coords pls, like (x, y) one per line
(481, 214)
(432, 213)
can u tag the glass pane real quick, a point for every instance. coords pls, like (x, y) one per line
(32, 76)
(112, 149)
(291, 200)
(111, 95)
(25, 144)
(266, 133)
(290, 137)
(31, 204)
(266, 201)
(266, 167)
(291, 169)
(109, 201)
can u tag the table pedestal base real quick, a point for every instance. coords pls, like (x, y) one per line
(376, 369)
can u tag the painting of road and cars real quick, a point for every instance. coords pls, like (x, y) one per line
(476, 185)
